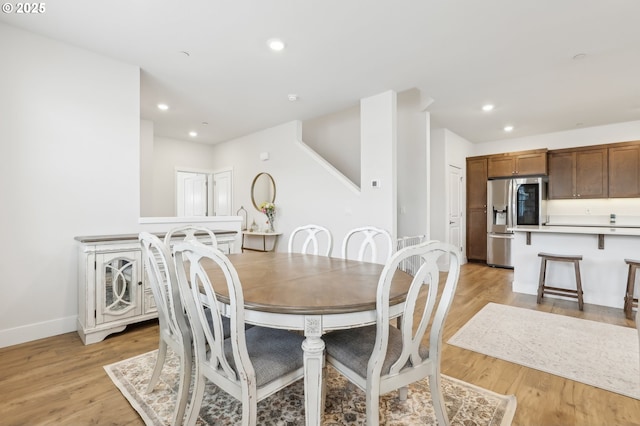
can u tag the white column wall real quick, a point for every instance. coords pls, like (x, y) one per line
(379, 159)
(146, 168)
(412, 166)
(70, 132)
(439, 187)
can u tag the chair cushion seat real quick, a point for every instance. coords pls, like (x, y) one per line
(354, 347)
(273, 353)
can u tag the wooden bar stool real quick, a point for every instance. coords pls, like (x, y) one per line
(629, 301)
(542, 288)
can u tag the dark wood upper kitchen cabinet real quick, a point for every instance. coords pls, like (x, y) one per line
(477, 182)
(514, 164)
(477, 208)
(624, 171)
(578, 173)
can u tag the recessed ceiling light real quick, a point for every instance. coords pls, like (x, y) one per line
(487, 107)
(292, 97)
(275, 44)
(508, 128)
(204, 123)
(193, 134)
(163, 107)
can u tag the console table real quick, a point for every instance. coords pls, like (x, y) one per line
(113, 291)
(264, 235)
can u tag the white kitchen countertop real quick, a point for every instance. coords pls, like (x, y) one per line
(580, 229)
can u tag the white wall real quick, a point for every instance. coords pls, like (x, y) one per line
(70, 132)
(447, 149)
(146, 168)
(439, 189)
(378, 129)
(620, 132)
(412, 166)
(336, 137)
(309, 189)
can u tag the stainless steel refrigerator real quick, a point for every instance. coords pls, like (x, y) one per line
(499, 220)
(511, 203)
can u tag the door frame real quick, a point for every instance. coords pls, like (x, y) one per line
(212, 186)
(209, 173)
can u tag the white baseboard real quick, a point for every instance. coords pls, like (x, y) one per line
(40, 330)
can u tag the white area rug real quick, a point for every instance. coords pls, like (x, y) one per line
(466, 404)
(601, 355)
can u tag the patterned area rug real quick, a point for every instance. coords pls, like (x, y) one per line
(345, 404)
(597, 354)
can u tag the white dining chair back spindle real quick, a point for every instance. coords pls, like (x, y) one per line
(382, 358)
(317, 240)
(375, 245)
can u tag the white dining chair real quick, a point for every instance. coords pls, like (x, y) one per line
(315, 236)
(382, 358)
(250, 365)
(174, 331)
(375, 245)
(192, 233)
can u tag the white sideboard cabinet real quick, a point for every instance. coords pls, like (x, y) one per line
(113, 289)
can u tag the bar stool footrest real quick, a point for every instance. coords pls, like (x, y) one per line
(560, 291)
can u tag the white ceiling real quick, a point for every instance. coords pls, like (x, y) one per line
(516, 54)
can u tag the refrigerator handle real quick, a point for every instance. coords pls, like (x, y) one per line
(511, 208)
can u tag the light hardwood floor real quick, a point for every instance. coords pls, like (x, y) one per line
(59, 381)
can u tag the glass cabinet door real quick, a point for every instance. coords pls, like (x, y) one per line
(118, 286)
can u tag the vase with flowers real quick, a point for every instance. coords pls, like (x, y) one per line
(269, 209)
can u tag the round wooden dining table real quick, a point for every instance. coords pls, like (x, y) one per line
(314, 294)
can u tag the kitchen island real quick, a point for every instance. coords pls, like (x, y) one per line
(603, 269)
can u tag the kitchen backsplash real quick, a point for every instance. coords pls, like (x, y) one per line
(595, 211)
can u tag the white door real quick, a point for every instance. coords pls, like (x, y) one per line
(222, 193)
(191, 194)
(455, 206)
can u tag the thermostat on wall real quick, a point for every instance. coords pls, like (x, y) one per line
(375, 183)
